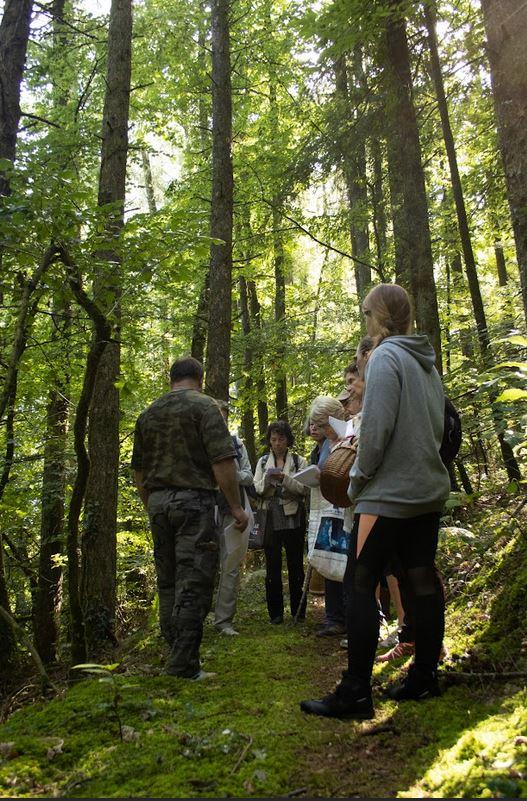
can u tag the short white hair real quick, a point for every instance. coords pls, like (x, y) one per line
(325, 407)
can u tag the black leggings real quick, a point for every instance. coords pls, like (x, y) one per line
(414, 542)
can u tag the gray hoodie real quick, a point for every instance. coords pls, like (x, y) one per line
(398, 471)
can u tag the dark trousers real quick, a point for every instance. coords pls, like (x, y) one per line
(414, 542)
(334, 603)
(407, 631)
(186, 551)
(293, 542)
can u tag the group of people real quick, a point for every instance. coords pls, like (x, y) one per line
(183, 452)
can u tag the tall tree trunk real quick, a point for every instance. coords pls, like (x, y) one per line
(262, 408)
(457, 189)
(149, 184)
(201, 321)
(8, 652)
(464, 233)
(378, 203)
(412, 233)
(201, 318)
(465, 320)
(100, 341)
(506, 29)
(99, 562)
(353, 153)
(14, 37)
(279, 316)
(248, 367)
(48, 597)
(219, 330)
(26, 314)
(501, 267)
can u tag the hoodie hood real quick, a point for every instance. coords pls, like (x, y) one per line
(417, 345)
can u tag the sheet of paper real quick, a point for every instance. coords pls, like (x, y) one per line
(309, 476)
(236, 542)
(342, 428)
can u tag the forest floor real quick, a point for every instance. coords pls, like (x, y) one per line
(138, 733)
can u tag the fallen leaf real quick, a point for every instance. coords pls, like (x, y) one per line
(54, 750)
(130, 735)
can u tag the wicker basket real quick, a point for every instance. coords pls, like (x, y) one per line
(334, 475)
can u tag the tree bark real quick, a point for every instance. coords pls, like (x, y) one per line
(219, 328)
(201, 318)
(14, 37)
(262, 408)
(8, 652)
(353, 154)
(99, 562)
(201, 322)
(506, 29)
(48, 598)
(501, 267)
(149, 184)
(378, 203)
(415, 266)
(248, 382)
(279, 316)
(100, 341)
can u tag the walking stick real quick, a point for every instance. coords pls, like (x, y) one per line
(305, 589)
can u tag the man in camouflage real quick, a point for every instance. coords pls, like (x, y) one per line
(182, 452)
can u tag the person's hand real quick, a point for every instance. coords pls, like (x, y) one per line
(241, 518)
(278, 478)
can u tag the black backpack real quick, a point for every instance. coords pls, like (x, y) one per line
(451, 441)
(265, 459)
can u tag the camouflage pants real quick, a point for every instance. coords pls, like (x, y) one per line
(186, 558)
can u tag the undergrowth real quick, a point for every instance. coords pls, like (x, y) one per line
(242, 733)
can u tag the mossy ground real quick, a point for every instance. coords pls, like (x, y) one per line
(242, 733)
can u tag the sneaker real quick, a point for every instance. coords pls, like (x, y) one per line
(397, 652)
(389, 641)
(275, 621)
(416, 686)
(229, 631)
(331, 630)
(344, 643)
(358, 706)
(203, 675)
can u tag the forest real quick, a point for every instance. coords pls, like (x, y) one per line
(228, 179)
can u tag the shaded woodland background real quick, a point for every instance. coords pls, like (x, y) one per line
(228, 179)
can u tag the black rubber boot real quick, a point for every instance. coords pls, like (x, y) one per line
(343, 703)
(417, 686)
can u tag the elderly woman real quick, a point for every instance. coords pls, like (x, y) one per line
(284, 499)
(321, 410)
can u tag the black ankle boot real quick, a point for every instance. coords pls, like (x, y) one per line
(417, 686)
(343, 703)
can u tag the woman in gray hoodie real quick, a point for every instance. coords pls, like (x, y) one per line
(399, 485)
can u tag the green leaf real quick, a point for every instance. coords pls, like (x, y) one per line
(517, 339)
(512, 394)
